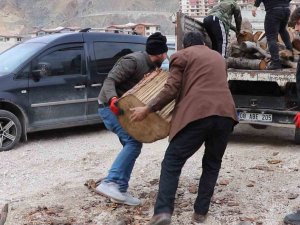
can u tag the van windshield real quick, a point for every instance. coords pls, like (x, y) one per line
(12, 58)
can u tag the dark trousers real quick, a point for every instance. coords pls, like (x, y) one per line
(216, 31)
(214, 131)
(298, 84)
(275, 23)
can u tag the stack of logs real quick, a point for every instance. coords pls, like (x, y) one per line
(250, 51)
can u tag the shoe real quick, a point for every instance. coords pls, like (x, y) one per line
(292, 219)
(274, 66)
(111, 190)
(198, 218)
(129, 200)
(160, 219)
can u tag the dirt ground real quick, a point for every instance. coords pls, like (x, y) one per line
(43, 179)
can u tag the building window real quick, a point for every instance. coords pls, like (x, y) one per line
(7, 39)
(19, 39)
(147, 28)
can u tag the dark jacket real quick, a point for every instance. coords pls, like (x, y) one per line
(269, 4)
(125, 74)
(198, 82)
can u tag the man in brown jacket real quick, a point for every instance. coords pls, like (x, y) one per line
(204, 113)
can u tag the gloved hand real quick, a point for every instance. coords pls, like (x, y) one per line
(297, 120)
(113, 105)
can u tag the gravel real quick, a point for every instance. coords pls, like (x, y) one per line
(43, 179)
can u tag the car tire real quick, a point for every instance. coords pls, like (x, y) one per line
(297, 136)
(10, 130)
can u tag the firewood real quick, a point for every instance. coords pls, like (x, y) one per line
(257, 35)
(244, 63)
(252, 47)
(235, 51)
(3, 215)
(296, 43)
(286, 54)
(244, 36)
(288, 63)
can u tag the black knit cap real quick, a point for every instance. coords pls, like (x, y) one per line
(156, 44)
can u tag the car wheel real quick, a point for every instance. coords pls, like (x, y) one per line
(10, 130)
(297, 136)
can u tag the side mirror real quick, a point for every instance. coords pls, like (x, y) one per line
(43, 69)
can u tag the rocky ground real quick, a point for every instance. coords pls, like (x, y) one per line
(43, 179)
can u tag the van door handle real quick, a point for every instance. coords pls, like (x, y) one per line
(96, 85)
(79, 86)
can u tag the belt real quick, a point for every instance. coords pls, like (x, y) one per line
(103, 105)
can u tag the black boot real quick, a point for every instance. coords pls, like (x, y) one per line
(274, 65)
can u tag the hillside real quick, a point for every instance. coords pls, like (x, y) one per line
(21, 16)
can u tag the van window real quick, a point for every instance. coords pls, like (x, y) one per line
(66, 61)
(108, 53)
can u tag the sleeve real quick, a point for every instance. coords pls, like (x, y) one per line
(257, 3)
(238, 18)
(122, 71)
(173, 85)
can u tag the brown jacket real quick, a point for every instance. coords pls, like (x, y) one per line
(198, 81)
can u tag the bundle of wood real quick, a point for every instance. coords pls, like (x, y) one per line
(250, 51)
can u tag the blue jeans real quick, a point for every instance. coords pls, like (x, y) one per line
(122, 167)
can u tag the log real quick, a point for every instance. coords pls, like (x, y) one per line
(256, 36)
(244, 36)
(3, 215)
(288, 63)
(286, 54)
(248, 46)
(156, 125)
(243, 63)
(235, 51)
(296, 43)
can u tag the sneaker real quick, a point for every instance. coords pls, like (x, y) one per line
(198, 218)
(160, 219)
(111, 190)
(292, 219)
(129, 200)
(274, 66)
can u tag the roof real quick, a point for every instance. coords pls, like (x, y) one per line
(10, 35)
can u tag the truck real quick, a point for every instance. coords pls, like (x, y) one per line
(262, 97)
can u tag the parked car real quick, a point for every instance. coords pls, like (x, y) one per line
(53, 81)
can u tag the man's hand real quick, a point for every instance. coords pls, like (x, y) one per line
(254, 11)
(297, 120)
(139, 113)
(113, 105)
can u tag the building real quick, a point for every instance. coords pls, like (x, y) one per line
(44, 31)
(144, 29)
(8, 40)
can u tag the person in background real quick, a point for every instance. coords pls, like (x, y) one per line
(277, 17)
(294, 218)
(125, 74)
(204, 113)
(218, 23)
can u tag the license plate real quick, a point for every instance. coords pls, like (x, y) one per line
(258, 117)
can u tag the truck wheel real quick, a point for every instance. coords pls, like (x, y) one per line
(297, 136)
(10, 130)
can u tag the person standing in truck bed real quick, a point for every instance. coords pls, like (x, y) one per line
(218, 23)
(277, 17)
